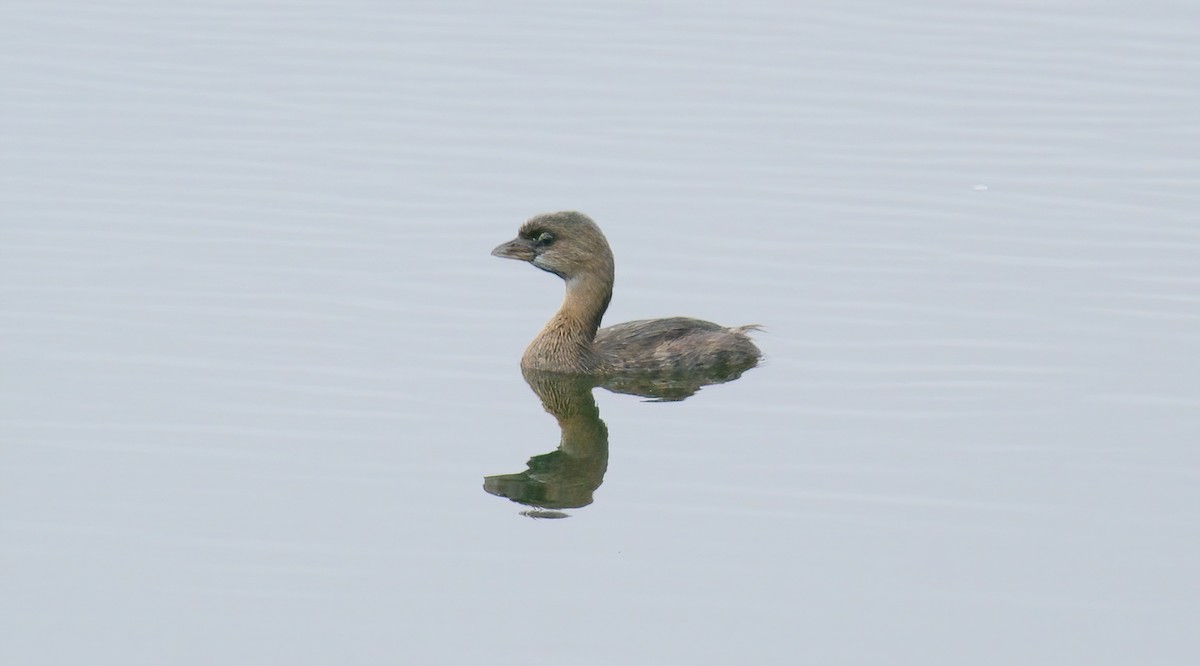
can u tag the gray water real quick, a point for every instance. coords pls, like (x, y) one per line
(257, 361)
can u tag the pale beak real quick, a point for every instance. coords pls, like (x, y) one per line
(517, 248)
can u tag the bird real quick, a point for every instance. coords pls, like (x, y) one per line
(570, 245)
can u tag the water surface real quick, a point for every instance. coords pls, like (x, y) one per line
(257, 360)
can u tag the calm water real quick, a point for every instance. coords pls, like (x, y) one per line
(257, 360)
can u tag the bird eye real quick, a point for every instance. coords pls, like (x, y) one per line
(544, 238)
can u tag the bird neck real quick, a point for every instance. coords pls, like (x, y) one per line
(584, 305)
(566, 343)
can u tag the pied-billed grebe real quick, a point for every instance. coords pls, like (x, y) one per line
(572, 247)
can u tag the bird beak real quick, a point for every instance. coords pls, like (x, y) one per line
(517, 248)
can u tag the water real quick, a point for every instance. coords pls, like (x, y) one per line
(258, 361)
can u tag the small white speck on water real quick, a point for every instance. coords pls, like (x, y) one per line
(980, 188)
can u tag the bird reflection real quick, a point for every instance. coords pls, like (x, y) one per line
(567, 477)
